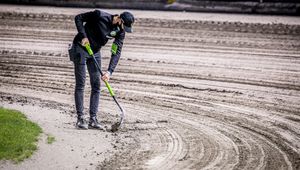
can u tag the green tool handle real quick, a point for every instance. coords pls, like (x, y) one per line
(90, 51)
(111, 92)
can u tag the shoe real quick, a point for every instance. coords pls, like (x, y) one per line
(94, 124)
(81, 123)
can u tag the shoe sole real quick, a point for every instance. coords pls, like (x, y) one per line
(82, 128)
(91, 127)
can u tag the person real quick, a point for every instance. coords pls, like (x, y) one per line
(96, 28)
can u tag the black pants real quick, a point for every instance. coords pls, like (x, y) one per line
(80, 58)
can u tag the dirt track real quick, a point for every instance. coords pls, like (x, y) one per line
(198, 94)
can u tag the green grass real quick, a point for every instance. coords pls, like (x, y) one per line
(18, 136)
(50, 139)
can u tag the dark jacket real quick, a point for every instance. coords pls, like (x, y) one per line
(97, 26)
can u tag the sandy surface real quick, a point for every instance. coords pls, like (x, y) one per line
(218, 92)
(164, 14)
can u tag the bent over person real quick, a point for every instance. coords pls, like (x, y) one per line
(96, 28)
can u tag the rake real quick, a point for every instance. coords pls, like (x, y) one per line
(117, 125)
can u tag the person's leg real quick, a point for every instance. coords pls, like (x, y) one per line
(80, 75)
(95, 84)
(95, 92)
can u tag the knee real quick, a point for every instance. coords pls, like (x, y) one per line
(79, 77)
(96, 85)
(79, 86)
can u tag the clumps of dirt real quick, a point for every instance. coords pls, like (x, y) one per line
(199, 89)
(115, 127)
(11, 100)
(22, 100)
(162, 121)
(126, 158)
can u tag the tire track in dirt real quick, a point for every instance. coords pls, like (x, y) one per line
(199, 94)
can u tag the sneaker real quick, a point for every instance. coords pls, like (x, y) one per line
(94, 124)
(81, 123)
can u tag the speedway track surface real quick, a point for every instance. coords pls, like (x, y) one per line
(198, 94)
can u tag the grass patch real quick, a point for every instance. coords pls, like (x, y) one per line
(50, 139)
(18, 136)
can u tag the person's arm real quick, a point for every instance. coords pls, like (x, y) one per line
(116, 52)
(80, 19)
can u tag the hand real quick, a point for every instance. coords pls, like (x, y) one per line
(85, 41)
(106, 76)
